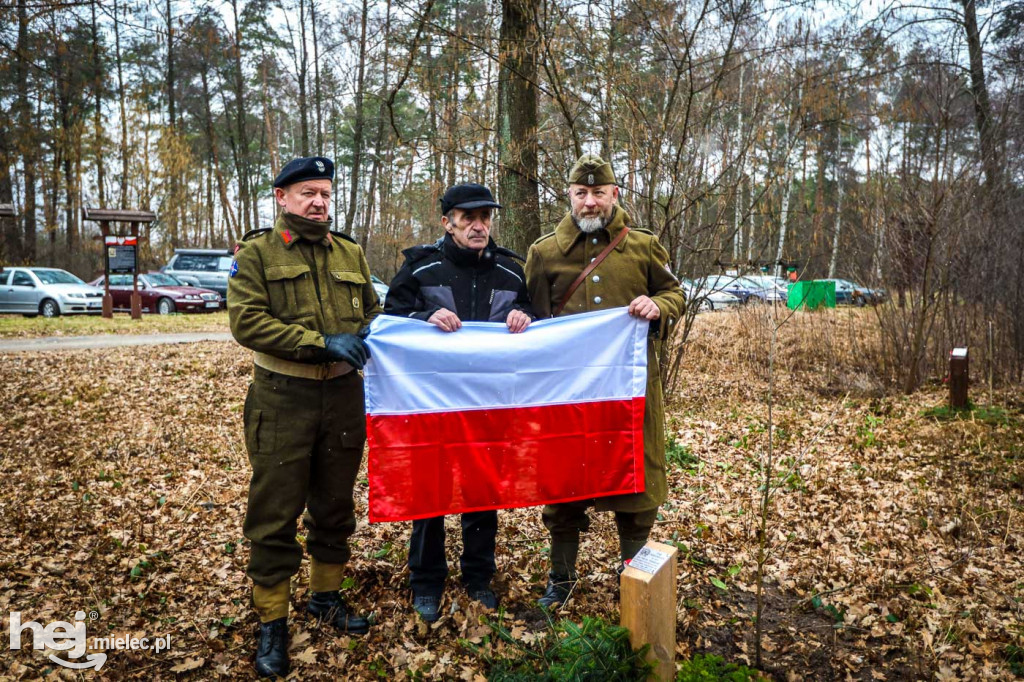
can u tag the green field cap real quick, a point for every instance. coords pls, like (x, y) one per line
(591, 170)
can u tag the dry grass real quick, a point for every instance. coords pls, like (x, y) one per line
(16, 326)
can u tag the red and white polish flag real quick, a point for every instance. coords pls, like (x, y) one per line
(483, 419)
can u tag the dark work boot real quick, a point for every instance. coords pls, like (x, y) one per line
(272, 651)
(485, 595)
(558, 590)
(428, 606)
(329, 607)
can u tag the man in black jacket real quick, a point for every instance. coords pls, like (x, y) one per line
(463, 276)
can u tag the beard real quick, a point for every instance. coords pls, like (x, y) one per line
(591, 223)
(588, 225)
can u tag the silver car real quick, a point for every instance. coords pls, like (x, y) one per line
(48, 292)
(206, 268)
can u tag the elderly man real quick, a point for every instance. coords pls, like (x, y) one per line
(463, 276)
(631, 270)
(300, 297)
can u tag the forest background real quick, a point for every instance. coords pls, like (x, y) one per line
(876, 141)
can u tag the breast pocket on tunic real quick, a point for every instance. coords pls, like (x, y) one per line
(348, 292)
(291, 291)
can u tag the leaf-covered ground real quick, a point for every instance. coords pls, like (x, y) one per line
(895, 538)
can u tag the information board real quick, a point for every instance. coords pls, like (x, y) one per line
(120, 255)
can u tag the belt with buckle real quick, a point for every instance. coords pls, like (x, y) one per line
(301, 370)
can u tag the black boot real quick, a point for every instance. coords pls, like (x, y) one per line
(272, 651)
(558, 590)
(329, 607)
(428, 606)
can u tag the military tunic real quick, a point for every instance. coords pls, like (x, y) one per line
(637, 266)
(304, 436)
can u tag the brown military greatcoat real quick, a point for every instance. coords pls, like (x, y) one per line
(637, 266)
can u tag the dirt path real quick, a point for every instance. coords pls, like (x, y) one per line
(51, 343)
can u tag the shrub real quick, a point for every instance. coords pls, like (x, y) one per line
(594, 651)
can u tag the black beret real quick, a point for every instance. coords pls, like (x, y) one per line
(467, 196)
(305, 168)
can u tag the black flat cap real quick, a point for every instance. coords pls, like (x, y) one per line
(305, 168)
(467, 196)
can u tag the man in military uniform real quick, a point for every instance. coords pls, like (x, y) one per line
(300, 298)
(634, 272)
(463, 276)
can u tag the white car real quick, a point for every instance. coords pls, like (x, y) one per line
(708, 298)
(380, 287)
(48, 292)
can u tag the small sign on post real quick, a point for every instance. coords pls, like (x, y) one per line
(958, 378)
(648, 604)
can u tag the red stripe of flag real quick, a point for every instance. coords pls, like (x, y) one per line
(424, 465)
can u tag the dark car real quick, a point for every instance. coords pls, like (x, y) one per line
(161, 293)
(851, 293)
(207, 268)
(730, 284)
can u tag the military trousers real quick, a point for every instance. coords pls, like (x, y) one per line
(305, 441)
(565, 522)
(428, 566)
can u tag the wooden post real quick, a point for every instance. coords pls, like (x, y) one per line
(958, 376)
(108, 300)
(648, 604)
(136, 299)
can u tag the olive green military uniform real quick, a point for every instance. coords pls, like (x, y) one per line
(637, 266)
(304, 434)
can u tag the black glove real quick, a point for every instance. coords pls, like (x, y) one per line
(345, 348)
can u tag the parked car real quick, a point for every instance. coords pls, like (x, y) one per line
(161, 293)
(768, 288)
(48, 292)
(851, 293)
(730, 284)
(380, 287)
(206, 268)
(707, 299)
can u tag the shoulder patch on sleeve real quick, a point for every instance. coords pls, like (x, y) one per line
(339, 233)
(252, 234)
(643, 230)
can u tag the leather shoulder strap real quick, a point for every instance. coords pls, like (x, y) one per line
(589, 269)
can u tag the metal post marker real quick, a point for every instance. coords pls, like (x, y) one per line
(958, 379)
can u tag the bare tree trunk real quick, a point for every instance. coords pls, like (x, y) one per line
(303, 75)
(317, 99)
(123, 198)
(737, 223)
(269, 127)
(517, 129)
(242, 160)
(839, 210)
(378, 143)
(26, 139)
(211, 139)
(357, 126)
(98, 74)
(10, 248)
(172, 212)
(990, 156)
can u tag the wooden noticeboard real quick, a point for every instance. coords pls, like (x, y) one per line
(120, 251)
